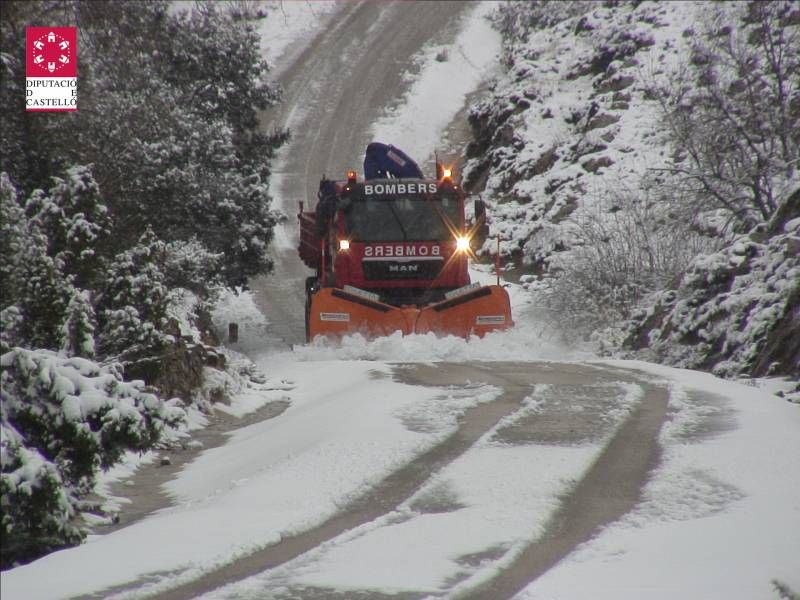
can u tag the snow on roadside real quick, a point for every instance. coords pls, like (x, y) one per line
(440, 89)
(240, 307)
(719, 518)
(332, 443)
(289, 27)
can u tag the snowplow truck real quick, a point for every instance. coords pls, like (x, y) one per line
(390, 254)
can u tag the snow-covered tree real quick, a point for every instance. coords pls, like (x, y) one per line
(181, 154)
(133, 304)
(192, 164)
(34, 287)
(62, 419)
(77, 332)
(75, 222)
(189, 265)
(734, 111)
(14, 236)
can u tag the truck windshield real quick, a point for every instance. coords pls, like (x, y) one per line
(402, 218)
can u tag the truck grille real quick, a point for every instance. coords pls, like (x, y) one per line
(402, 269)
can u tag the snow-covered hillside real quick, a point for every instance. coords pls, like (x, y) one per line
(581, 152)
(734, 311)
(570, 121)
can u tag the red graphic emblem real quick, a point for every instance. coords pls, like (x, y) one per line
(52, 52)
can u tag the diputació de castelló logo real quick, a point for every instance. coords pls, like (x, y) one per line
(51, 82)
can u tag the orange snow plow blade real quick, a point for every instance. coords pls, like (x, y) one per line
(474, 312)
(337, 312)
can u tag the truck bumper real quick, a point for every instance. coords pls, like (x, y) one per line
(335, 312)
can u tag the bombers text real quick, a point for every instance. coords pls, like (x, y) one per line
(401, 251)
(400, 188)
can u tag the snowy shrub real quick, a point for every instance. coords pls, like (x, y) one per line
(626, 248)
(79, 414)
(732, 113)
(38, 512)
(63, 419)
(517, 20)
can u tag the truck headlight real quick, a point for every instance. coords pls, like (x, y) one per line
(344, 244)
(462, 243)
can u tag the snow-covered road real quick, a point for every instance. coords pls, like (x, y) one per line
(437, 479)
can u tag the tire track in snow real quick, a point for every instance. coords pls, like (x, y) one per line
(389, 493)
(609, 490)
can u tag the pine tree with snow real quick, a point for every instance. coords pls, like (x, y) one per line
(33, 282)
(13, 237)
(77, 332)
(193, 164)
(132, 306)
(75, 221)
(37, 510)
